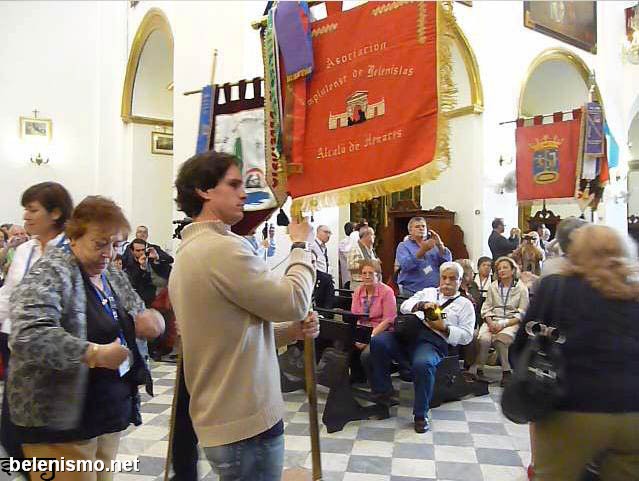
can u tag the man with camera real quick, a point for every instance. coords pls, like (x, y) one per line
(419, 258)
(447, 319)
(498, 244)
(146, 273)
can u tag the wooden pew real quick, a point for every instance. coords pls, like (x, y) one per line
(341, 404)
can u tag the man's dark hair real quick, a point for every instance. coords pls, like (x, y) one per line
(497, 222)
(137, 241)
(483, 259)
(348, 228)
(51, 196)
(202, 171)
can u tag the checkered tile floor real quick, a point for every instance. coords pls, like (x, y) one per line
(469, 441)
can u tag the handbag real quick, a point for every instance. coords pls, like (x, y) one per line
(536, 387)
(408, 326)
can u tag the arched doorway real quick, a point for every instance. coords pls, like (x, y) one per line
(147, 109)
(556, 80)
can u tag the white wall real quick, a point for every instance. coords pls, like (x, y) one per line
(151, 183)
(44, 67)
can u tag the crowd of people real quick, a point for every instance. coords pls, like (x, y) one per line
(79, 303)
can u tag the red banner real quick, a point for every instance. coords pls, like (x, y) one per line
(547, 158)
(371, 103)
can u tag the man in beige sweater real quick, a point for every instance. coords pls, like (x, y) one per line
(232, 311)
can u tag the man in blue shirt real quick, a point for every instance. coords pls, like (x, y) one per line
(419, 258)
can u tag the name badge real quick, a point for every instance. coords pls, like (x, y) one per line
(126, 364)
(427, 270)
(124, 367)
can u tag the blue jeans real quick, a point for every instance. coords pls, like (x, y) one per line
(424, 356)
(254, 459)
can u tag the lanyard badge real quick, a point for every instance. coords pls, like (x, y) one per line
(107, 300)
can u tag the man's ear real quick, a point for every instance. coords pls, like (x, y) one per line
(204, 194)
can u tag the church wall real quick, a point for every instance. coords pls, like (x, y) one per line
(458, 187)
(46, 67)
(151, 184)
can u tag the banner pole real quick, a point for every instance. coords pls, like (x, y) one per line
(176, 392)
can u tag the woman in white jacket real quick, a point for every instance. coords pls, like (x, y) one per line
(47, 206)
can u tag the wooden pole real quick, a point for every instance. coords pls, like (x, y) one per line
(302, 474)
(176, 392)
(213, 67)
(311, 393)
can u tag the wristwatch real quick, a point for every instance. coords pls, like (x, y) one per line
(299, 245)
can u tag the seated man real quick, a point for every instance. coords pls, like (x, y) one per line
(430, 346)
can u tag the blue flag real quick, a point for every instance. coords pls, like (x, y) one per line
(613, 148)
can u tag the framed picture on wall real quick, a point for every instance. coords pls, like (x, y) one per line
(632, 21)
(161, 143)
(571, 22)
(35, 129)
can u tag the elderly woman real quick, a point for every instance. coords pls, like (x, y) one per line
(430, 346)
(376, 301)
(75, 365)
(505, 305)
(598, 416)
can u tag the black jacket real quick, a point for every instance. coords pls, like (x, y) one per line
(142, 282)
(500, 246)
(162, 269)
(601, 351)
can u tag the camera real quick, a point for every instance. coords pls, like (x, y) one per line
(180, 224)
(552, 334)
(434, 314)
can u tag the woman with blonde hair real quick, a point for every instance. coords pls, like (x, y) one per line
(597, 419)
(506, 302)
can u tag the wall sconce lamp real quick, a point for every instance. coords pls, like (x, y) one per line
(39, 160)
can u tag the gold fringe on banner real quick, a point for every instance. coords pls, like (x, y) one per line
(447, 99)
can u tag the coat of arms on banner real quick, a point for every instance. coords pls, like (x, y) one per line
(546, 159)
